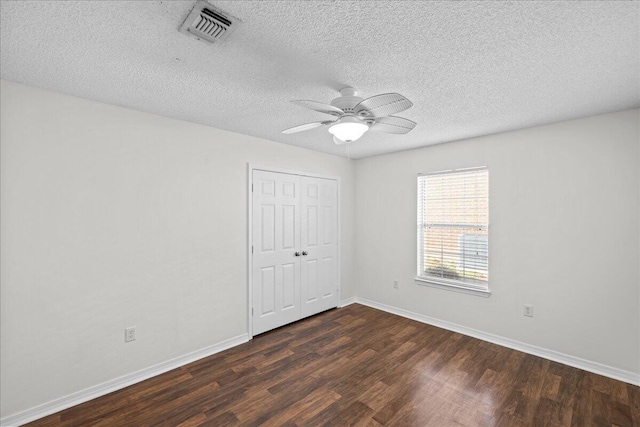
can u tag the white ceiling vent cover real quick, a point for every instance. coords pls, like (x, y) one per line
(208, 23)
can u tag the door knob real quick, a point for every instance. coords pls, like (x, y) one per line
(305, 253)
(297, 254)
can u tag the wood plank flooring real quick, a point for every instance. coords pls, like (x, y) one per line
(360, 366)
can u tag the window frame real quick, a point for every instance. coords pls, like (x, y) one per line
(443, 283)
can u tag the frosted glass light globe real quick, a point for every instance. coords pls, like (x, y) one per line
(348, 129)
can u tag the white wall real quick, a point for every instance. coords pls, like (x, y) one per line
(564, 224)
(114, 218)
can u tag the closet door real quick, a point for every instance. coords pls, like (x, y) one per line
(276, 241)
(319, 245)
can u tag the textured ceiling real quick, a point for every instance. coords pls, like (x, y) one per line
(470, 68)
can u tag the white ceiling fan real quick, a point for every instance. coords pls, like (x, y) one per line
(355, 115)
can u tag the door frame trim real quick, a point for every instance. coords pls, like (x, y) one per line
(250, 168)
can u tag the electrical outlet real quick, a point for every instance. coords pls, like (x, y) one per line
(528, 310)
(396, 284)
(130, 334)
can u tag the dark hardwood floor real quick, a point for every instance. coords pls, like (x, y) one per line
(360, 366)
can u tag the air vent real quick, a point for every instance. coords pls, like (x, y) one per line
(208, 23)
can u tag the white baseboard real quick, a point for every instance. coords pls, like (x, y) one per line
(346, 302)
(90, 393)
(576, 362)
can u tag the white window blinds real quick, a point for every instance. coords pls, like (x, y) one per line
(453, 227)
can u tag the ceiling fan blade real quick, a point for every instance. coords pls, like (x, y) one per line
(319, 106)
(383, 105)
(306, 127)
(393, 124)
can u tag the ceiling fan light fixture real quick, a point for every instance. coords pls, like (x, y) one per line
(348, 129)
(354, 116)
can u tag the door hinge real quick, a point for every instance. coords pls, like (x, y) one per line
(251, 248)
(252, 311)
(252, 188)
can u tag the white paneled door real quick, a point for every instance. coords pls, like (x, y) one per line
(319, 243)
(294, 248)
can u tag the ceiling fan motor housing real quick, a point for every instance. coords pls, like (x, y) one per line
(347, 100)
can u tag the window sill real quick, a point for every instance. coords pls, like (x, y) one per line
(453, 287)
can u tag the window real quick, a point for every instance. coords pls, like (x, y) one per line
(453, 230)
